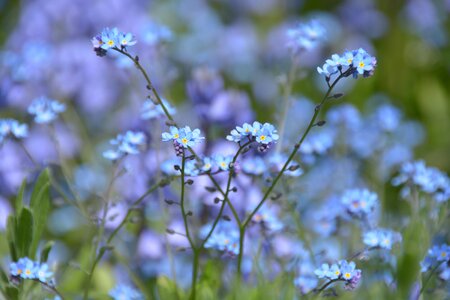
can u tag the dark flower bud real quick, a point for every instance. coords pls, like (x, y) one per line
(293, 167)
(217, 200)
(226, 218)
(170, 231)
(210, 189)
(189, 213)
(189, 182)
(234, 189)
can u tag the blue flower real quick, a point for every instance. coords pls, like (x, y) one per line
(124, 292)
(42, 273)
(183, 136)
(305, 283)
(129, 143)
(26, 268)
(110, 39)
(150, 110)
(225, 238)
(268, 219)
(429, 180)
(437, 254)
(381, 238)
(254, 166)
(350, 63)
(359, 202)
(343, 271)
(208, 164)
(45, 110)
(223, 162)
(262, 133)
(305, 36)
(12, 128)
(127, 39)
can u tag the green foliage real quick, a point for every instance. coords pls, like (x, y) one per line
(25, 228)
(46, 251)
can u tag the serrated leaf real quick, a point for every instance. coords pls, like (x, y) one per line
(10, 236)
(40, 205)
(24, 232)
(46, 251)
(19, 198)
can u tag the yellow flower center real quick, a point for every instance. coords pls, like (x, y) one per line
(355, 204)
(223, 164)
(347, 275)
(361, 64)
(28, 272)
(176, 135)
(184, 141)
(246, 130)
(124, 42)
(207, 166)
(262, 138)
(337, 272)
(226, 242)
(350, 60)
(19, 271)
(443, 254)
(110, 43)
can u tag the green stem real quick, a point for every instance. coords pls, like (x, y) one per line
(285, 166)
(321, 289)
(429, 277)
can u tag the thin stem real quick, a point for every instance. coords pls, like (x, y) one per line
(50, 287)
(427, 280)
(98, 254)
(321, 289)
(286, 164)
(28, 154)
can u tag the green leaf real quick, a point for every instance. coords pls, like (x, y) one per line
(12, 292)
(40, 206)
(10, 236)
(46, 251)
(24, 232)
(19, 198)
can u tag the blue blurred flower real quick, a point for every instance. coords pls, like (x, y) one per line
(28, 269)
(150, 110)
(224, 238)
(266, 216)
(45, 110)
(359, 203)
(12, 128)
(305, 36)
(381, 238)
(343, 270)
(223, 161)
(129, 143)
(428, 179)
(125, 292)
(438, 254)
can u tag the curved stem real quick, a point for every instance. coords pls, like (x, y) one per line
(429, 277)
(321, 289)
(50, 287)
(285, 166)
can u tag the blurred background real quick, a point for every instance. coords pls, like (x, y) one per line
(219, 63)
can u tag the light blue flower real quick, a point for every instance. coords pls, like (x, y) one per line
(323, 271)
(223, 162)
(207, 164)
(129, 143)
(350, 63)
(305, 36)
(381, 238)
(45, 110)
(42, 273)
(183, 136)
(359, 202)
(109, 38)
(126, 39)
(12, 128)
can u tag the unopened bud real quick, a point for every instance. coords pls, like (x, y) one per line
(226, 218)
(170, 231)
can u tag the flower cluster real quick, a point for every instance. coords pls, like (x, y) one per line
(129, 143)
(45, 110)
(264, 134)
(438, 256)
(305, 36)
(359, 203)
(224, 239)
(26, 268)
(428, 179)
(12, 128)
(182, 138)
(111, 38)
(151, 110)
(125, 292)
(342, 271)
(355, 62)
(381, 238)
